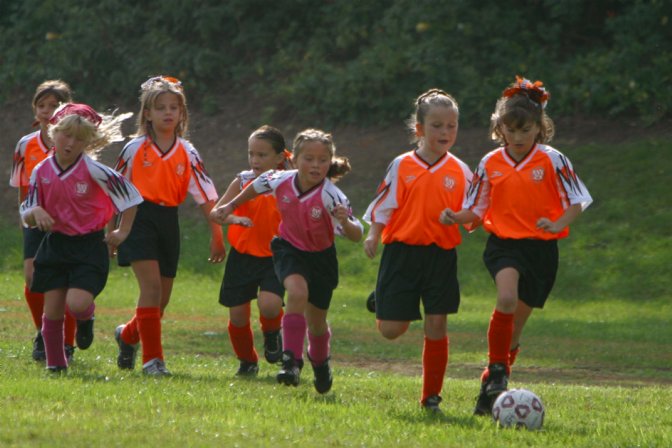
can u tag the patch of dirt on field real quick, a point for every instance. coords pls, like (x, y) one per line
(583, 375)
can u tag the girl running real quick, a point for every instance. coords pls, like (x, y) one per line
(419, 261)
(527, 194)
(164, 167)
(72, 197)
(31, 150)
(312, 210)
(249, 270)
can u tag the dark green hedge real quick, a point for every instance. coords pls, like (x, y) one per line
(348, 61)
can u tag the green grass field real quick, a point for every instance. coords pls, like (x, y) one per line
(598, 355)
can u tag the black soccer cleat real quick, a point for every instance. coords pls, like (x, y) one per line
(273, 346)
(69, 353)
(290, 373)
(247, 369)
(498, 380)
(323, 376)
(371, 302)
(127, 352)
(38, 348)
(84, 335)
(431, 404)
(484, 402)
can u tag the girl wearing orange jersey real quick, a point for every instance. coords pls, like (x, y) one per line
(249, 270)
(164, 166)
(31, 150)
(526, 193)
(419, 261)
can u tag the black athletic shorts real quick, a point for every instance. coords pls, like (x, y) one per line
(409, 274)
(155, 235)
(32, 237)
(64, 262)
(320, 269)
(244, 276)
(535, 260)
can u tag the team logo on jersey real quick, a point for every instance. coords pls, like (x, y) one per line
(316, 212)
(81, 188)
(146, 163)
(180, 169)
(46, 180)
(409, 179)
(537, 174)
(449, 183)
(285, 199)
(496, 174)
(32, 157)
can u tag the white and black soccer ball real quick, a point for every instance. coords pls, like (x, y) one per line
(519, 408)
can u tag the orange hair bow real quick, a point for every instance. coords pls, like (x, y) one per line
(534, 90)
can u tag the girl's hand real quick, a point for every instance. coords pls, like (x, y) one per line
(114, 239)
(241, 221)
(549, 226)
(447, 217)
(217, 251)
(341, 213)
(219, 214)
(43, 220)
(371, 245)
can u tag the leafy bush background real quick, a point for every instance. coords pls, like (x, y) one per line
(342, 61)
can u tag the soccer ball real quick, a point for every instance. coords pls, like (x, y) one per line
(518, 408)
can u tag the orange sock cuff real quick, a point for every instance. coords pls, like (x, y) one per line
(70, 328)
(242, 341)
(434, 363)
(271, 324)
(149, 327)
(130, 333)
(35, 301)
(500, 333)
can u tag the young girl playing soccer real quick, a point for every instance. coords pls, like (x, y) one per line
(249, 268)
(312, 209)
(72, 197)
(164, 167)
(526, 193)
(31, 150)
(419, 261)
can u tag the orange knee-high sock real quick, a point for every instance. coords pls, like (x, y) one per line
(149, 327)
(271, 324)
(434, 362)
(242, 341)
(70, 327)
(35, 301)
(500, 333)
(130, 333)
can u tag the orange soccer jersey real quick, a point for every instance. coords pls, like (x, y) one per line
(413, 195)
(30, 151)
(165, 178)
(511, 196)
(264, 213)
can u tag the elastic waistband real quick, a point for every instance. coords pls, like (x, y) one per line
(98, 235)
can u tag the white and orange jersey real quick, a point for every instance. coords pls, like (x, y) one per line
(165, 178)
(263, 212)
(511, 196)
(30, 151)
(413, 195)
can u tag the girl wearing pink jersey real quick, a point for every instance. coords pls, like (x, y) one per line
(31, 150)
(312, 210)
(72, 197)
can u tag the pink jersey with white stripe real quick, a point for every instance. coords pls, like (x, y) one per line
(307, 221)
(81, 198)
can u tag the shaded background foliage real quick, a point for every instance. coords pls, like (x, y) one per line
(348, 61)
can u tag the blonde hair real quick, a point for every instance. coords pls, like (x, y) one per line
(96, 137)
(340, 166)
(60, 89)
(427, 100)
(149, 92)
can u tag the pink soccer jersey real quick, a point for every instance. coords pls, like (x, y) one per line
(307, 221)
(81, 198)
